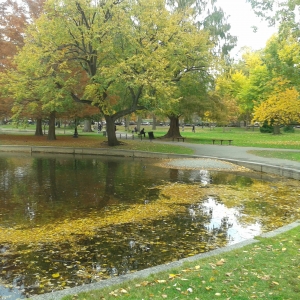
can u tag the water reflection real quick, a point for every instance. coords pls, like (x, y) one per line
(40, 194)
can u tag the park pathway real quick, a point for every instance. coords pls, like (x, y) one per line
(239, 153)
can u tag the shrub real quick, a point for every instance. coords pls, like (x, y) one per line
(288, 128)
(266, 128)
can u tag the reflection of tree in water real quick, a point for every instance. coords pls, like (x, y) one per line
(52, 180)
(174, 175)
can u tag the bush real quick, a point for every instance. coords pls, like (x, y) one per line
(288, 128)
(266, 128)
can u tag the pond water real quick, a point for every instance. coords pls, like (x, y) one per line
(66, 221)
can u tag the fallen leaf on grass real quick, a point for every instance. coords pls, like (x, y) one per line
(265, 277)
(220, 262)
(172, 276)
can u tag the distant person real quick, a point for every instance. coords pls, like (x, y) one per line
(135, 129)
(182, 127)
(143, 132)
(193, 128)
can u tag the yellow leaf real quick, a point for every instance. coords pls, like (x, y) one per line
(55, 275)
(197, 267)
(220, 262)
(161, 281)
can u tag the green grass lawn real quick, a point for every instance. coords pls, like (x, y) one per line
(241, 137)
(268, 269)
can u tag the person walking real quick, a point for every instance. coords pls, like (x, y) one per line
(143, 132)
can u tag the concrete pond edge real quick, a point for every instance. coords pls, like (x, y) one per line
(83, 152)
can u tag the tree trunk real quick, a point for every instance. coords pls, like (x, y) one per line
(111, 132)
(51, 130)
(276, 129)
(87, 125)
(154, 122)
(127, 123)
(174, 127)
(139, 121)
(38, 128)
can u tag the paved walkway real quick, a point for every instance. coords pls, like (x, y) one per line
(239, 153)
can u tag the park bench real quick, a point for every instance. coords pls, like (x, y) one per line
(125, 135)
(222, 140)
(179, 138)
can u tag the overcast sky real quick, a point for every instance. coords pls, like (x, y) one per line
(242, 19)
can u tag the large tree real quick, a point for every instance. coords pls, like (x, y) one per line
(125, 54)
(195, 94)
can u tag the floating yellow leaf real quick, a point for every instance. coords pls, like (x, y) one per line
(55, 275)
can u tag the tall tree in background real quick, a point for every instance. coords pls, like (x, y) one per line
(198, 96)
(14, 18)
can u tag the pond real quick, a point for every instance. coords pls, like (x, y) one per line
(66, 221)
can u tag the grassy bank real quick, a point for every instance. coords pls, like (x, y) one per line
(268, 269)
